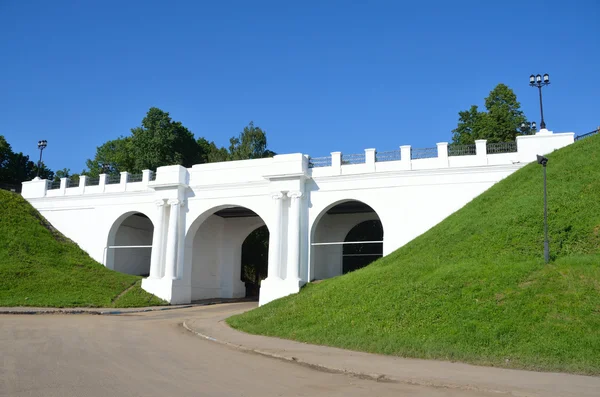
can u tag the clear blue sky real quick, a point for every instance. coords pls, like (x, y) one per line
(318, 76)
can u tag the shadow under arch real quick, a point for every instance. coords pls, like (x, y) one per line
(329, 232)
(132, 228)
(213, 251)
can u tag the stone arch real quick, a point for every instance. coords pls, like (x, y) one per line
(332, 225)
(132, 228)
(213, 250)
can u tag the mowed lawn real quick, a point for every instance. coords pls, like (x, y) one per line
(40, 267)
(475, 287)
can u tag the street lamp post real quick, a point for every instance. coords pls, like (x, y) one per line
(528, 126)
(544, 161)
(536, 81)
(41, 145)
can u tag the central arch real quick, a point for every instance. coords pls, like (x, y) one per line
(214, 251)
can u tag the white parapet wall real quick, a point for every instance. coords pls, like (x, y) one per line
(183, 229)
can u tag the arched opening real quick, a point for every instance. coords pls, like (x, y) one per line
(334, 238)
(218, 257)
(358, 254)
(255, 259)
(130, 244)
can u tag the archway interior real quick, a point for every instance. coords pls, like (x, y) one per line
(255, 259)
(135, 230)
(343, 224)
(356, 256)
(217, 253)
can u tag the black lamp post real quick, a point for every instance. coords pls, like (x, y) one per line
(527, 126)
(544, 161)
(41, 145)
(536, 81)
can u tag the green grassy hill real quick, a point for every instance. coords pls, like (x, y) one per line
(40, 267)
(475, 287)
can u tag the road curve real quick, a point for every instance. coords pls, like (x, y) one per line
(150, 354)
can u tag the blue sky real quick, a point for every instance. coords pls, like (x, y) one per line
(318, 76)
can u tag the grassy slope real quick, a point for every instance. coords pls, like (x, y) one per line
(474, 288)
(40, 267)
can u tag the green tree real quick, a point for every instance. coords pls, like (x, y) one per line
(501, 122)
(113, 157)
(161, 141)
(250, 144)
(17, 167)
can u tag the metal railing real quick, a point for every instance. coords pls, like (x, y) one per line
(423, 153)
(393, 155)
(501, 147)
(461, 150)
(53, 185)
(319, 162)
(135, 177)
(73, 182)
(588, 134)
(92, 181)
(356, 158)
(152, 176)
(113, 179)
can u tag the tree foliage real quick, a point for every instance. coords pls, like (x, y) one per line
(161, 141)
(17, 167)
(501, 122)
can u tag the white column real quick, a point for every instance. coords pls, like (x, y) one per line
(275, 238)
(442, 149)
(370, 155)
(481, 151)
(171, 254)
(293, 260)
(157, 241)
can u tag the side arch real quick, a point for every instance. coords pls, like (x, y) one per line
(328, 233)
(132, 228)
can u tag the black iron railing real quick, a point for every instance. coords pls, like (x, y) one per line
(393, 155)
(113, 179)
(461, 150)
(135, 177)
(586, 135)
(501, 147)
(423, 153)
(92, 181)
(357, 158)
(319, 162)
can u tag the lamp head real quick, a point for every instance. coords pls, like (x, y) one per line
(533, 125)
(542, 160)
(546, 78)
(531, 79)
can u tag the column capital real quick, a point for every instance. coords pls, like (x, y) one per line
(294, 194)
(159, 203)
(276, 195)
(173, 202)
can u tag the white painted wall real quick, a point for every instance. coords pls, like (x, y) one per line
(409, 196)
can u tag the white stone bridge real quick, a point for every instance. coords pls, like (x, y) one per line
(184, 228)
